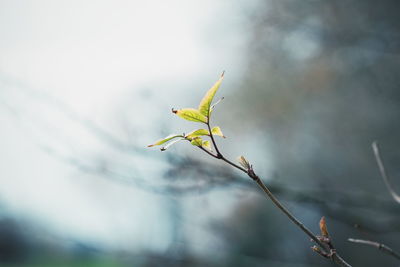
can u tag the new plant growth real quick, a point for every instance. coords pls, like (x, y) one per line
(202, 114)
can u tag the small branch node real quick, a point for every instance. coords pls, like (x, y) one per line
(319, 251)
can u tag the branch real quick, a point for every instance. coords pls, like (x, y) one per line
(382, 170)
(379, 246)
(325, 248)
(208, 152)
(325, 238)
(219, 155)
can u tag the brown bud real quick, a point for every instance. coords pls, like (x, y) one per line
(323, 228)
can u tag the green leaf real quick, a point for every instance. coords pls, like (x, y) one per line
(217, 131)
(170, 144)
(197, 141)
(205, 103)
(197, 133)
(206, 144)
(190, 114)
(166, 139)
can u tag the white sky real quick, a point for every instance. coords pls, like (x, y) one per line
(91, 55)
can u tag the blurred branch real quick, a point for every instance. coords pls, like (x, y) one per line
(205, 183)
(396, 197)
(336, 198)
(361, 221)
(59, 105)
(178, 182)
(379, 246)
(382, 170)
(176, 178)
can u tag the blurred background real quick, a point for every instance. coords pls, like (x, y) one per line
(85, 86)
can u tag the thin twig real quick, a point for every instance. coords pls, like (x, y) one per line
(287, 212)
(208, 152)
(382, 170)
(379, 246)
(326, 250)
(234, 165)
(219, 155)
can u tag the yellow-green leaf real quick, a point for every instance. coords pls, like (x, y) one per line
(197, 133)
(197, 141)
(190, 114)
(166, 139)
(206, 144)
(217, 131)
(205, 103)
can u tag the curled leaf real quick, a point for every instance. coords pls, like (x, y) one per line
(170, 144)
(197, 141)
(197, 133)
(166, 139)
(216, 103)
(217, 131)
(243, 161)
(205, 103)
(190, 114)
(206, 144)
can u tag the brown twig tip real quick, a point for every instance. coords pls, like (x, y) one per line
(323, 227)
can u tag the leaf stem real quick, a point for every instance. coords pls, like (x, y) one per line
(208, 152)
(219, 155)
(233, 164)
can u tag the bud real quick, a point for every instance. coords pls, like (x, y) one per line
(243, 161)
(323, 228)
